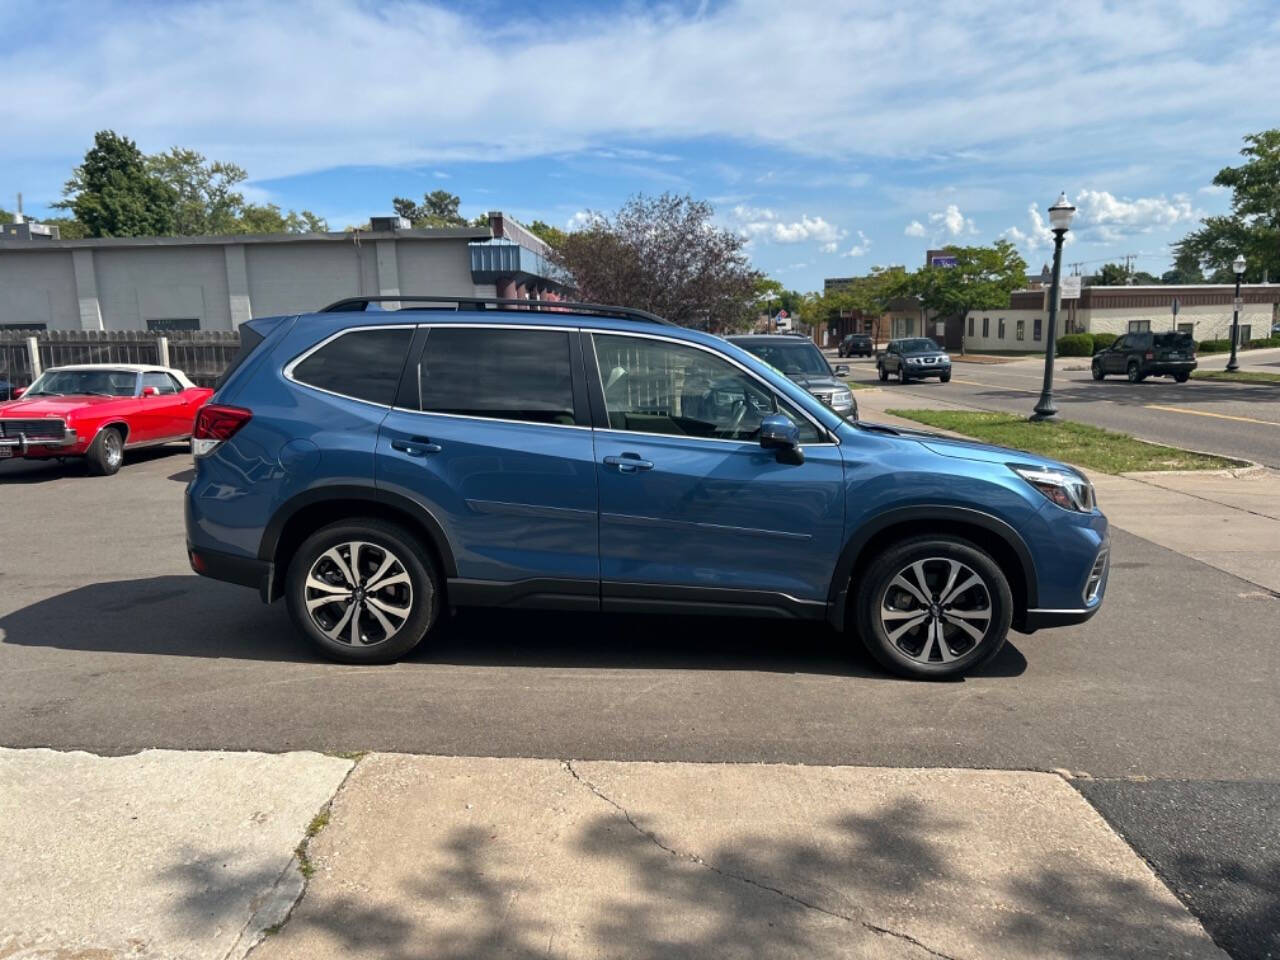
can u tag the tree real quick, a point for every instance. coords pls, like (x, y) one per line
(1118, 275)
(1186, 269)
(205, 199)
(114, 194)
(982, 279)
(5, 216)
(662, 254)
(551, 236)
(438, 209)
(1253, 227)
(268, 218)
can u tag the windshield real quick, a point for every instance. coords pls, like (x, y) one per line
(918, 345)
(100, 383)
(796, 357)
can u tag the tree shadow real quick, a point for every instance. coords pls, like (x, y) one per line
(192, 616)
(884, 880)
(19, 470)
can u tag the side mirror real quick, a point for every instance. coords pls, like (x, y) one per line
(842, 369)
(779, 434)
(16, 392)
(151, 391)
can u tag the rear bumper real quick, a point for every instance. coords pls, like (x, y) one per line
(244, 571)
(1171, 366)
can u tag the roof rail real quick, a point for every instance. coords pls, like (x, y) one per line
(360, 304)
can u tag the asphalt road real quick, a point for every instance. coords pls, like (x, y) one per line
(108, 643)
(1234, 419)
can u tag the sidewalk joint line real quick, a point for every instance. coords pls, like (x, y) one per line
(694, 858)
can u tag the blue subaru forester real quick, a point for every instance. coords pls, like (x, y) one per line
(373, 466)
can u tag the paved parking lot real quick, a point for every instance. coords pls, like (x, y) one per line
(108, 643)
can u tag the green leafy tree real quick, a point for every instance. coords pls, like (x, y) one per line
(1253, 227)
(1186, 269)
(438, 209)
(269, 218)
(115, 194)
(663, 254)
(982, 279)
(205, 199)
(1117, 275)
(5, 216)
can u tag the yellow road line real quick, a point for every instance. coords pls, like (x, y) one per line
(1206, 413)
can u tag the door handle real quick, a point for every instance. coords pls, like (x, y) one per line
(416, 446)
(629, 463)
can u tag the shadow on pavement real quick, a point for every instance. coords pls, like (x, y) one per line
(18, 470)
(882, 878)
(193, 617)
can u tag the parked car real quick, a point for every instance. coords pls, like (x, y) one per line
(856, 344)
(1142, 355)
(913, 358)
(598, 459)
(801, 360)
(98, 411)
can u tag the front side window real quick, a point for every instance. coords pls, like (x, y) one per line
(655, 386)
(499, 374)
(161, 381)
(364, 364)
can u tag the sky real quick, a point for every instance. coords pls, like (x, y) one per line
(832, 136)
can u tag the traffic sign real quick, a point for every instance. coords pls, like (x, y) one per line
(1238, 303)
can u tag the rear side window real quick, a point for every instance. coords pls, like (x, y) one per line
(364, 364)
(1174, 341)
(501, 374)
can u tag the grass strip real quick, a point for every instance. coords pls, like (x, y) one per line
(1076, 443)
(1240, 376)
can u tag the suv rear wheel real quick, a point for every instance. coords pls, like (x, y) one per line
(363, 591)
(934, 607)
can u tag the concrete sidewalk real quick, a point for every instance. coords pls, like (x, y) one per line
(1230, 522)
(181, 854)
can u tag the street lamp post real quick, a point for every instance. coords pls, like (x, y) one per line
(1238, 266)
(1060, 215)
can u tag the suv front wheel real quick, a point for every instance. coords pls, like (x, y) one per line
(934, 607)
(363, 591)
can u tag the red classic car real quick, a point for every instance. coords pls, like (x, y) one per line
(97, 411)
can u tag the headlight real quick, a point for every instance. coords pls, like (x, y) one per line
(841, 398)
(913, 359)
(1069, 491)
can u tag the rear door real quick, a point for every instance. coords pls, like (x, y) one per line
(491, 434)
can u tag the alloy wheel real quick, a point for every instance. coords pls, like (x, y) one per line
(358, 593)
(936, 610)
(112, 449)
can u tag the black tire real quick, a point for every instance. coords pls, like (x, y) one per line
(106, 453)
(419, 594)
(992, 596)
(882, 372)
(944, 378)
(1135, 372)
(1181, 377)
(902, 374)
(1096, 368)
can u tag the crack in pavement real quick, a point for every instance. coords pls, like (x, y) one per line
(694, 858)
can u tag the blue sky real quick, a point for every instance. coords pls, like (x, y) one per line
(835, 136)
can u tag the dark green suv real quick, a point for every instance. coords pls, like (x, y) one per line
(1142, 355)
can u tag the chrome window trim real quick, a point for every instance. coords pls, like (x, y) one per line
(822, 430)
(468, 416)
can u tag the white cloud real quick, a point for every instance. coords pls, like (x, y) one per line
(860, 248)
(581, 219)
(238, 80)
(761, 223)
(914, 229)
(1037, 235)
(1106, 217)
(954, 222)
(440, 175)
(1213, 190)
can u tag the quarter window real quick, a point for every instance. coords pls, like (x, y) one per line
(161, 381)
(364, 364)
(501, 374)
(654, 386)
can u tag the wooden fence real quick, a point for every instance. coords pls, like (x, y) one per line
(201, 354)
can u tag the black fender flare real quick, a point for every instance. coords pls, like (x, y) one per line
(849, 556)
(357, 492)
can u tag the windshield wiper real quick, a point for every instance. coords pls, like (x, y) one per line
(42, 393)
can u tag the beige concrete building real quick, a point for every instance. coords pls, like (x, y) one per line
(1204, 311)
(217, 283)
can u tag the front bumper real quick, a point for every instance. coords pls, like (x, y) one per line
(24, 446)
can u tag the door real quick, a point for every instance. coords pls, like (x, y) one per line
(168, 406)
(154, 419)
(497, 447)
(691, 507)
(1113, 360)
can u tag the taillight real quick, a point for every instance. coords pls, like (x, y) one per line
(215, 423)
(1148, 355)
